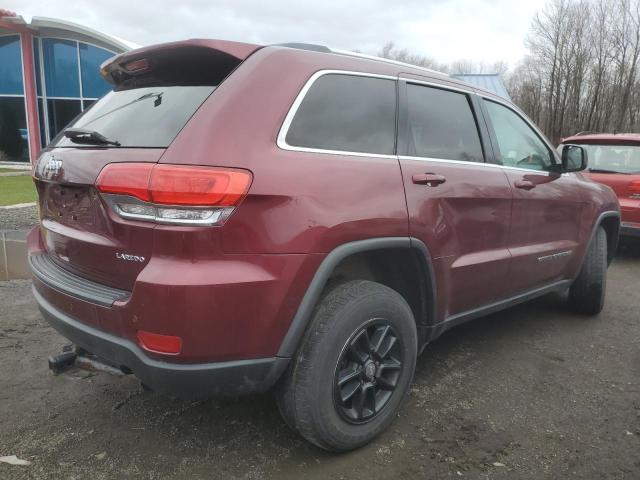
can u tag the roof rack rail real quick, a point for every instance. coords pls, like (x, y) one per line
(386, 60)
(323, 49)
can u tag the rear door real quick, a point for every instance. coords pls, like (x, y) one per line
(547, 206)
(459, 205)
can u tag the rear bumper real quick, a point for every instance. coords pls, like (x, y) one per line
(181, 380)
(225, 308)
(629, 229)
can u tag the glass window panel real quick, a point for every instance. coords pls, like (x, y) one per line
(61, 112)
(347, 113)
(60, 68)
(142, 117)
(87, 103)
(36, 59)
(13, 130)
(519, 145)
(442, 125)
(93, 85)
(10, 66)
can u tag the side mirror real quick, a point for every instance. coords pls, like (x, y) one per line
(574, 158)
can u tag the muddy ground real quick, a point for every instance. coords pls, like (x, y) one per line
(534, 392)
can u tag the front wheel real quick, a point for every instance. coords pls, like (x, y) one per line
(353, 369)
(586, 295)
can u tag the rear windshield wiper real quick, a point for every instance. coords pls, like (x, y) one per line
(157, 102)
(90, 137)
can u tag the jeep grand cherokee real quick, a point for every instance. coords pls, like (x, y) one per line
(233, 218)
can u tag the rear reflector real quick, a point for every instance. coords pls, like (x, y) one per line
(157, 343)
(177, 194)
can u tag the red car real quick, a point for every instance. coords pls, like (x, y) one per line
(233, 218)
(614, 160)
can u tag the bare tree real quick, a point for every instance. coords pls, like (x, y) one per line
(581, 71)
(391, 52)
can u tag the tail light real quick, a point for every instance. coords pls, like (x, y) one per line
(634, 189)
(173, 194)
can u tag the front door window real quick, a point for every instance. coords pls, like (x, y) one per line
(519, 145)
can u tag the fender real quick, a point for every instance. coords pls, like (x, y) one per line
(597, 223)
(312, 295)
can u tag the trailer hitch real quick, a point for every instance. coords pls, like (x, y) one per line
(63, 361)
(74, 356)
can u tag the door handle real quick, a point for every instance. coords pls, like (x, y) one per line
(525, 184)
(430, 179)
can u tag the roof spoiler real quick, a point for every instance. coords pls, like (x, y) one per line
(189, 62)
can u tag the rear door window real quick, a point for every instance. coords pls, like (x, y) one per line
(141, 117)
(442, 125)
(346, 113)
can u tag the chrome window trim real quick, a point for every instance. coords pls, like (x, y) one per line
(281, 141)
(483, 164)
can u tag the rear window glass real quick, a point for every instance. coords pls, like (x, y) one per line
(347, 113)
(442, 125)
(142, 117)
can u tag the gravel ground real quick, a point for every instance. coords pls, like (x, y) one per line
(18, 218)
(534, 392)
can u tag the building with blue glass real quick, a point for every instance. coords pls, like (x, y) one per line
(49, 73)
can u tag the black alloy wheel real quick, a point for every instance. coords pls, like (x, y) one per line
(367, 372)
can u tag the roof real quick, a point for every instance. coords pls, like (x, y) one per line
(319, 55)
(46, 26)
(610, 138)
(488, 81)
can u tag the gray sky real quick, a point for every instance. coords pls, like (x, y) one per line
(447, 30)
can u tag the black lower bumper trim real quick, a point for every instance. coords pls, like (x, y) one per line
(43, 267)
(180, 380)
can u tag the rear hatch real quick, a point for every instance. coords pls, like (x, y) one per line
(156, 92)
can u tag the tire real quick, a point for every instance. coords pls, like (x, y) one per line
(331, 364)
(586, 295)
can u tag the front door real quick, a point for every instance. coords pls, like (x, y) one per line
(547, 205)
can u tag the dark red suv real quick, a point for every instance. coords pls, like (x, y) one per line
(233, 218)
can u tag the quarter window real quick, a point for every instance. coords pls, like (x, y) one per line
(347, 113)
(442, 125)
(518, 144)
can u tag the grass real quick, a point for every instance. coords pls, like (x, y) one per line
(12, 170)
(18, 189)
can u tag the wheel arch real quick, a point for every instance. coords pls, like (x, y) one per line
(345, 262)
(610, 221)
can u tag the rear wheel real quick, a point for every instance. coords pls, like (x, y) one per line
(353, 369)
(587, 293)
